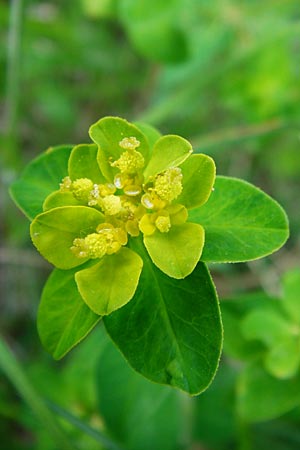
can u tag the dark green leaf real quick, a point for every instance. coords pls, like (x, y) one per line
(171, 330)
(41, 177)
(126, 398)
(63, 317)
(241, 222)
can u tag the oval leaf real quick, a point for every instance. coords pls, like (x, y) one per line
(54, 231)
(263, 397)
(157, 407)
(177, 252)
(169, 151)
(59, 198)
(83, 163)
(171, 330)
(199, 173)
(111, 283)
(41, 177)
(241, 222)
(63, 317)
(107, 133)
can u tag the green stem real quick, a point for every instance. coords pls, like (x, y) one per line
(11, 155)
(14, 372)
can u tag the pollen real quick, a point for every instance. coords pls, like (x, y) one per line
(65, 184)
(168, 185)
(92, 246)
(81, 189)
(130, 162)
(129, 143)
(163, 223)
(111, 204)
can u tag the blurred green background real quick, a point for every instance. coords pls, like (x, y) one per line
(224, 74)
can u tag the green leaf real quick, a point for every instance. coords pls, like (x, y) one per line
(265, 325)
(169, 151)
(63, 317)
(41, 177)
(126, 398)
(59, 198)
(241, 222)
(284, 358)
(54, 231)
(111, 283)
(264, 397)
(171, 330)
(199, 172)
(107, 133)
(291, 295)
(83, 163)
(177, 252)
(151, 133)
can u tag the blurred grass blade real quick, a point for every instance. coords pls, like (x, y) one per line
(14, 372)
(95, 434)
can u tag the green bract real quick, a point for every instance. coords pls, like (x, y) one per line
(129, 221)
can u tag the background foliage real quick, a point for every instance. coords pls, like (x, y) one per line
(225, 75)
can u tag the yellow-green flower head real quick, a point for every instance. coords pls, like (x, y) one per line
(131, 185)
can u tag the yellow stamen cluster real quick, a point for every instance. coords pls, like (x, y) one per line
(106, 241)
(129, 204)
(168, 185)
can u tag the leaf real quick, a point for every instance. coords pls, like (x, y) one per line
(63, 317)
(83, 163)
(107, 133)
(199, 172)
(266, 325)
(264, 397)
(241, 222)
(291, 294)
(171, 330)
(177, 252)
(151, 133)
(126, 398)
(54, 231)
(283, 360)
(111, 283)
(59, 198)
(41, 177)
(169, 151)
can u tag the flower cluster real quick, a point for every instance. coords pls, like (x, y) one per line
(130, 184)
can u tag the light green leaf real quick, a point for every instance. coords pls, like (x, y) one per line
(83, 163)
(265, 325)
(241, 222)
(59, 198)
(284, 358)
(171, 330)
(41, 177)
(63, 317)
(291, 295)
(264, 397)
(111, 283)
(177, 252)
(199, 172)
(54, 231)
(107, 133)
(151, 133)
(169, 151)
(126, 398)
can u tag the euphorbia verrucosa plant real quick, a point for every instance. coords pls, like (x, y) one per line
(129, 221)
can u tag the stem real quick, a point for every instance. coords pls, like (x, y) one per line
(14, 372)
(11, 155)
